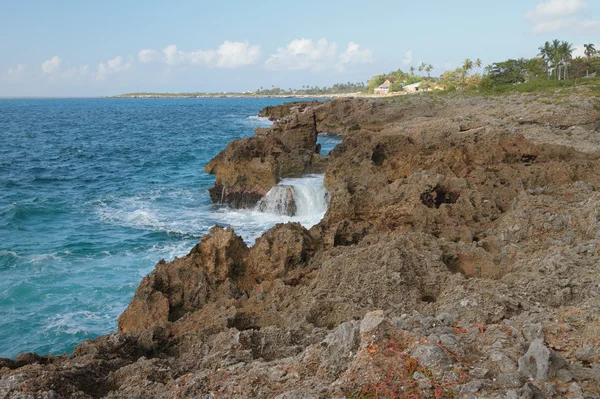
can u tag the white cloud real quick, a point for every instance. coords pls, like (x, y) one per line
(114, 65)
(149, 55)
(14, 75)
(236, 54)
(354, 55)
(303, 54)
(408, 56)
(554, 15)
(554, 9)
(322, 54)
(228, 55)
(51, 65)
(589, 26)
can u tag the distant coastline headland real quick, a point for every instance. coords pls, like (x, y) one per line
(234, 95)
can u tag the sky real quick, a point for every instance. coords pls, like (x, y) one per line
(78, 48)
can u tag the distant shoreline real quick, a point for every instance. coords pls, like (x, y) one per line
(235, 95)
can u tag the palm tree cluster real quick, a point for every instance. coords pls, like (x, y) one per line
(556, 56)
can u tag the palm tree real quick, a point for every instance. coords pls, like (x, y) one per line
(428, 69)
(422, 66)
(566, 55)
(589, 51)
(555, 51)
(547, 55)
(478, 64)
(467, 66)
(412, 70)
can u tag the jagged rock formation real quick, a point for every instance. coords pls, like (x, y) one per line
(458, 258)
(248, 168)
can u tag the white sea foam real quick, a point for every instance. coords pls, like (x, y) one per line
(150, 213)
(261, 120)
(311, 200)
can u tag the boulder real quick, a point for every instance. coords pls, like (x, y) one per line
(540, 362)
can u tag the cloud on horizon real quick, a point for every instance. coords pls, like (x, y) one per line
(14, 75)
(555, 15)
(408, 56)
(228, 55)
(51, 65)
(306, 54)
(299, 54)
(117, 64)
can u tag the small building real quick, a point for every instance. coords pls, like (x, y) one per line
(413, 88)
(384, 88)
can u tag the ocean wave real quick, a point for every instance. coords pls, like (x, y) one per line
(8, 259)
(20, 211)
(77, 322)
(260, 120)
(42, 258)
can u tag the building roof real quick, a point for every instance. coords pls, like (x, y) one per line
(413, 85)
(385, 85)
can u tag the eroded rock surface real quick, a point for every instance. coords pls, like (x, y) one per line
(458, 258)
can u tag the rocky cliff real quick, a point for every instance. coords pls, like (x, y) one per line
(458, 259)
(248, 168)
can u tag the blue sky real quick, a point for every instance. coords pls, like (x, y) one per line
(81, 48)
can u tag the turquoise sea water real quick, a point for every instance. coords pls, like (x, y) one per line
(93, 192)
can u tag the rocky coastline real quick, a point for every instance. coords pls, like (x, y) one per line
(459, 258)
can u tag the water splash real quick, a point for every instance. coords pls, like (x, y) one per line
(304, 197)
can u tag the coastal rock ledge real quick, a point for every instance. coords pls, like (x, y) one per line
(459, 258)
(248, 168)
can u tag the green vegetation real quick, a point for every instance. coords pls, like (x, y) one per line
(338, 88)
(554, 67)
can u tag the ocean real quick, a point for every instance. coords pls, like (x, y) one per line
(94, 192)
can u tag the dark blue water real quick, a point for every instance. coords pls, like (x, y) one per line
(93, 192)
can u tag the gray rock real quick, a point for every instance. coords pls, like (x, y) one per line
(510, 380)
(505, 363)
(429, 322)
(540, 362)
(9, 383)
(588, 354)
(576, 391)
(339, 346)
(528, 391)
(564, 375)
(471, 387)
(478, 372)
(533, 332)
(445, 319)
(419, 376)
(371, 321)
(433, 357)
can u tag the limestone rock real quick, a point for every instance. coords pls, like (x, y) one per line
(540, 362)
